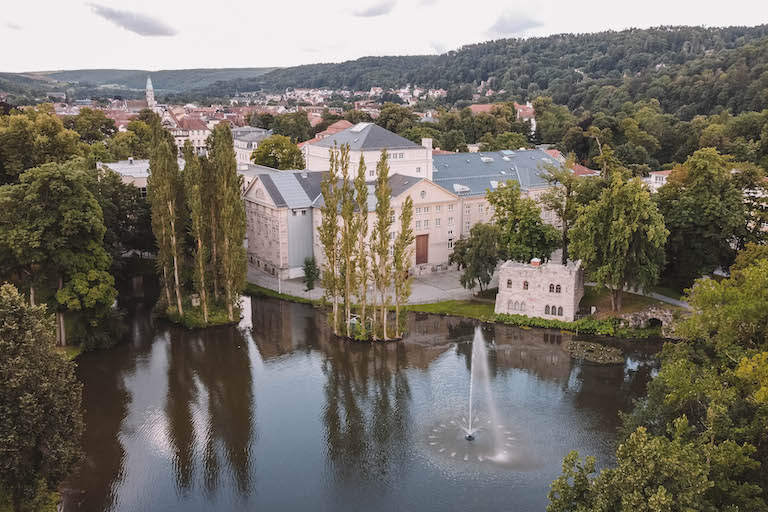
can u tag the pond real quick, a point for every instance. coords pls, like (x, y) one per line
(277, 414)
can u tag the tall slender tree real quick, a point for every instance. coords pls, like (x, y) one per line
(363, 272)
(211, 198)
(193, 188)
(348, 236)
(401, 258)
(329, 237)
(164, 193)
(231, 217)
(382, 269)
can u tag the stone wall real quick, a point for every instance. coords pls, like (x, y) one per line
(666, 315)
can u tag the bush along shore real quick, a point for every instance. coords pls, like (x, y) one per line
(193, 315)
(483, 311)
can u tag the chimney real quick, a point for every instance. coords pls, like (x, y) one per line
(535, 262)
(427, 143)
(130, 160)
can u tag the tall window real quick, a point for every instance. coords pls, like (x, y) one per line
(525, 285)
(558, 289)
(560, 311)
(509, 283)
(522, 306)
(546, 310)
(551, 288)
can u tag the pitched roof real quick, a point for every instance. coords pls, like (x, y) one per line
(367, 136)
(292, 189)
(468, 174)
(192, 124)
(661, 173)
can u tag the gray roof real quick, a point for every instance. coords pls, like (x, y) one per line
(469, 174)
(253, 136)
(292, 189)
(132, 168)
(365, 136)
(397, 182)
(253, 170)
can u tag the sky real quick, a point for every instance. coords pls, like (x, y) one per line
(38, 35)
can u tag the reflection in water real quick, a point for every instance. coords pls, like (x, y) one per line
(283, 416)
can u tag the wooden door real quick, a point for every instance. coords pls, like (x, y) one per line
(422, 249)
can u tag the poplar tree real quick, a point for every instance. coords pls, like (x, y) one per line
(401, 259)
(329, 238)
(163, 191)
(231, 217)
(363, 272)
(193, 188)
(382, 271)
(348, 236)
(210, 197)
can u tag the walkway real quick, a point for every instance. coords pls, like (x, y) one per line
(436, 287)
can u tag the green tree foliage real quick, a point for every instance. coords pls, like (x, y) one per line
(562, 198)
(703, 211)
(135, 142)
(348, 237)
(329, 237)
(193, 191)
(40, 417)
(295, 126)
(477, 255)
(524, 235)
(750, 179)
(231, 265)
(264, 121)
(380, 241)
(32, 138)
(620, 238)
(52, 231)
(749, 256)
(362, 256)
(507, 140)
(278, 152)
(402, 254)
(165, 193)
(92, 125)
(311, 272)
(396, 118)
(454, 140)
(552, 121)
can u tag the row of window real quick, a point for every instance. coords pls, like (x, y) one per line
(552, 287)
(553, 310)
(425, 209)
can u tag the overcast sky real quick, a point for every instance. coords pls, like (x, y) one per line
(40, 35)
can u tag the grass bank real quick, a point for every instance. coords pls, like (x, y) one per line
(258, 291)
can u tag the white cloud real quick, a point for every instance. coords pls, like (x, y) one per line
(512, 24)
(135, 22)
(378, 9)
(11, 25)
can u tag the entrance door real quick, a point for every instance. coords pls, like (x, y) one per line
(422, 249)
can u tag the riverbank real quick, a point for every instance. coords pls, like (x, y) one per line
(483, 310)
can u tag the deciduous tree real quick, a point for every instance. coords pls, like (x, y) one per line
(278, 152)
(402, 253)
(193, 185)
(477, 255)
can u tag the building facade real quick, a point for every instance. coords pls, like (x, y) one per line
(549, 290)
(246, 140)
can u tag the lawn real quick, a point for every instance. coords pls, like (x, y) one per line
(465, 308)
(601, 299)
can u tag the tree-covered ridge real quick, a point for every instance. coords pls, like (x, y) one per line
(691, 70)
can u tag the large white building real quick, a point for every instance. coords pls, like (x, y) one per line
(246, 140)
(368, 139)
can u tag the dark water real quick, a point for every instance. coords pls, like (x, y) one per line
(284, 417)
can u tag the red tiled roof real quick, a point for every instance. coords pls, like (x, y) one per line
(482, 107)
(192, 124)
(580, 170)
(554, 153)
(339, 126)
(662, 173)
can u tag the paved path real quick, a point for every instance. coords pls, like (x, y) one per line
(428, 288)
(653, 295)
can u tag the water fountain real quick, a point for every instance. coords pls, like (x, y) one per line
(481, 435)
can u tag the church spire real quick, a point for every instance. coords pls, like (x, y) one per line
(150, 94)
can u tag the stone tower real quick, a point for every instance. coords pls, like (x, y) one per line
(150, 94)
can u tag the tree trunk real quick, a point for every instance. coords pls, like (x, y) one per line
(201, 266)
(165, 273)
(397, 316)
(213, 255)
(384, 313)
(226, 257)
(32, 295)
(348, 297)
(373, 315)
(175, 250)
(565, 243)
(616, 296)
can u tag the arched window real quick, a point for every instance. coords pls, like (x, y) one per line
(509, 283)
(510, 306)
(546, 310)
(560, 311)
(551, 288)
(525, 285)
(558, 289)
(517, 306)
(522, 306)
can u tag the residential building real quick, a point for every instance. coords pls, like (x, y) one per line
(368, 139)
(544, 290)
(194, 130)
(657, 179)
(246, 140)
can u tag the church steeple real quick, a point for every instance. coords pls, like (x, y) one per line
(150, 94)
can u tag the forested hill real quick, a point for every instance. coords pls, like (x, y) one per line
(169, 80)
(690, 70)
